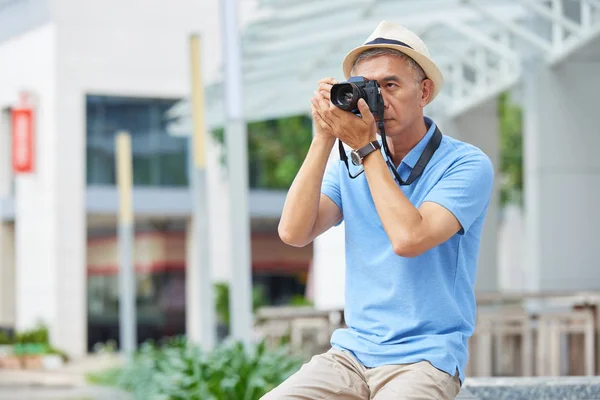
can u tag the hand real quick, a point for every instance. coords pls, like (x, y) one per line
(352, 130)
(324, 88)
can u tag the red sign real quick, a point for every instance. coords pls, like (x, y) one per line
(22, 140)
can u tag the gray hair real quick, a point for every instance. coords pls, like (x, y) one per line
(418, 72)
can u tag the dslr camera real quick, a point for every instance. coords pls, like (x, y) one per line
(345, 95)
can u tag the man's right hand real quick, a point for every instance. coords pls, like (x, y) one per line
(322, 129)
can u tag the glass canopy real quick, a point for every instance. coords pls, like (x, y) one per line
(478, 44)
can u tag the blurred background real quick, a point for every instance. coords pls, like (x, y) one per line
(521, 83)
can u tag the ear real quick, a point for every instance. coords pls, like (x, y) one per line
(426, 91)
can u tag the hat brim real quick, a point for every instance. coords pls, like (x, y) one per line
(431, 70)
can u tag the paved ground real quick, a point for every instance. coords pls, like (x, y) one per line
(60, 393)
(66, 383)
(547, 388)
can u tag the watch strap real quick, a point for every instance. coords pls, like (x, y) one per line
(368, 149)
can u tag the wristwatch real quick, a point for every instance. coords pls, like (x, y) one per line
(359, 155)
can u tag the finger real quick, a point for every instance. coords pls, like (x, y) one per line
(365, 112)
(323, 103)
(318, 119)
(328, 80)
(325, 89)
(318, 109)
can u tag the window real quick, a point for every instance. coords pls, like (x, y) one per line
(158, 158)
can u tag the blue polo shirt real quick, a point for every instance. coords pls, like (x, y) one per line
(404, 310)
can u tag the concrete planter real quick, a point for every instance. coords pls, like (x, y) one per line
(52, 361)
(6, 350)
(32, 362)
(10, 362)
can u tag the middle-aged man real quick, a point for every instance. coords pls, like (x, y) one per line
(412, 233)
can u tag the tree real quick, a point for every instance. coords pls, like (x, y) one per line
(276, 150)
(511, 150)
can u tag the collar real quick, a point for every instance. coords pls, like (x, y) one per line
(413, 155)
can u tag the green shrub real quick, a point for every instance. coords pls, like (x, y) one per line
(38, 335)
(222, 300)
(180, 370)
(300, 301)
(5, 338)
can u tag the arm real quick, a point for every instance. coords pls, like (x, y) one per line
(411, 231)
(451, 206)
(306, 212)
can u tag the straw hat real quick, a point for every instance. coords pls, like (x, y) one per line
(395, 36)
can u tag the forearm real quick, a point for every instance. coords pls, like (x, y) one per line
(400, 219)
(301, 206)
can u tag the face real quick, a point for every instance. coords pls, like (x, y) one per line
(403, 97)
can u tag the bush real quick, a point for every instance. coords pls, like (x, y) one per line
(180, 370)
(38, 335)
(5, 338)
(222, 301)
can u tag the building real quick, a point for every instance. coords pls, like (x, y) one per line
(89, 70)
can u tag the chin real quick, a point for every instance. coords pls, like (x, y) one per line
(391, 128)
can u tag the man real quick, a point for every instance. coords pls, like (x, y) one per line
(412, 242)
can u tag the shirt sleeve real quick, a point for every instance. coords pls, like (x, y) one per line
(331, 184)
(465, 188)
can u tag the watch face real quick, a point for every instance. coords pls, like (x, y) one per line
(356, 160)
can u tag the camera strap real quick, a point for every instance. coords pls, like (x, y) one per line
(422, 162)
(419, 167)
(344, 158)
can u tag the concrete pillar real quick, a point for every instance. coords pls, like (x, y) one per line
(7, 246)
(7, 275)
(219, 245)
(562, 172)
(69, 224)
(479, 126)
(218, 214)
(192, 297)
(329, 263)
(329, 269)
(36, 234)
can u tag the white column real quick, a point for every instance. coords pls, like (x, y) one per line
(35, 232)
(479, 126)
(562, 172)
(329, 262)
(50, 227)
(7, 275)
(192, 297)
(329, 269)
(219, 214)
(220, 261)
(7, 246)
(68, 212)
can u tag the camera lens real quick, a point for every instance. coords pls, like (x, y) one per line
(345, 95)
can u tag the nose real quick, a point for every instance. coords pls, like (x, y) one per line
(386, 103)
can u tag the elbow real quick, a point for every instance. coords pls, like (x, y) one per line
(407, 247)
(290, 238)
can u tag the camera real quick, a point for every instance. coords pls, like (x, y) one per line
(345, 95)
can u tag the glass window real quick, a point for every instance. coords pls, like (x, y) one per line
(158, 158)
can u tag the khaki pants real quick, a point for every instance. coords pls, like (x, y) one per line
(338, 375)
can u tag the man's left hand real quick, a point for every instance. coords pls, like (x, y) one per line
(351, 129)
